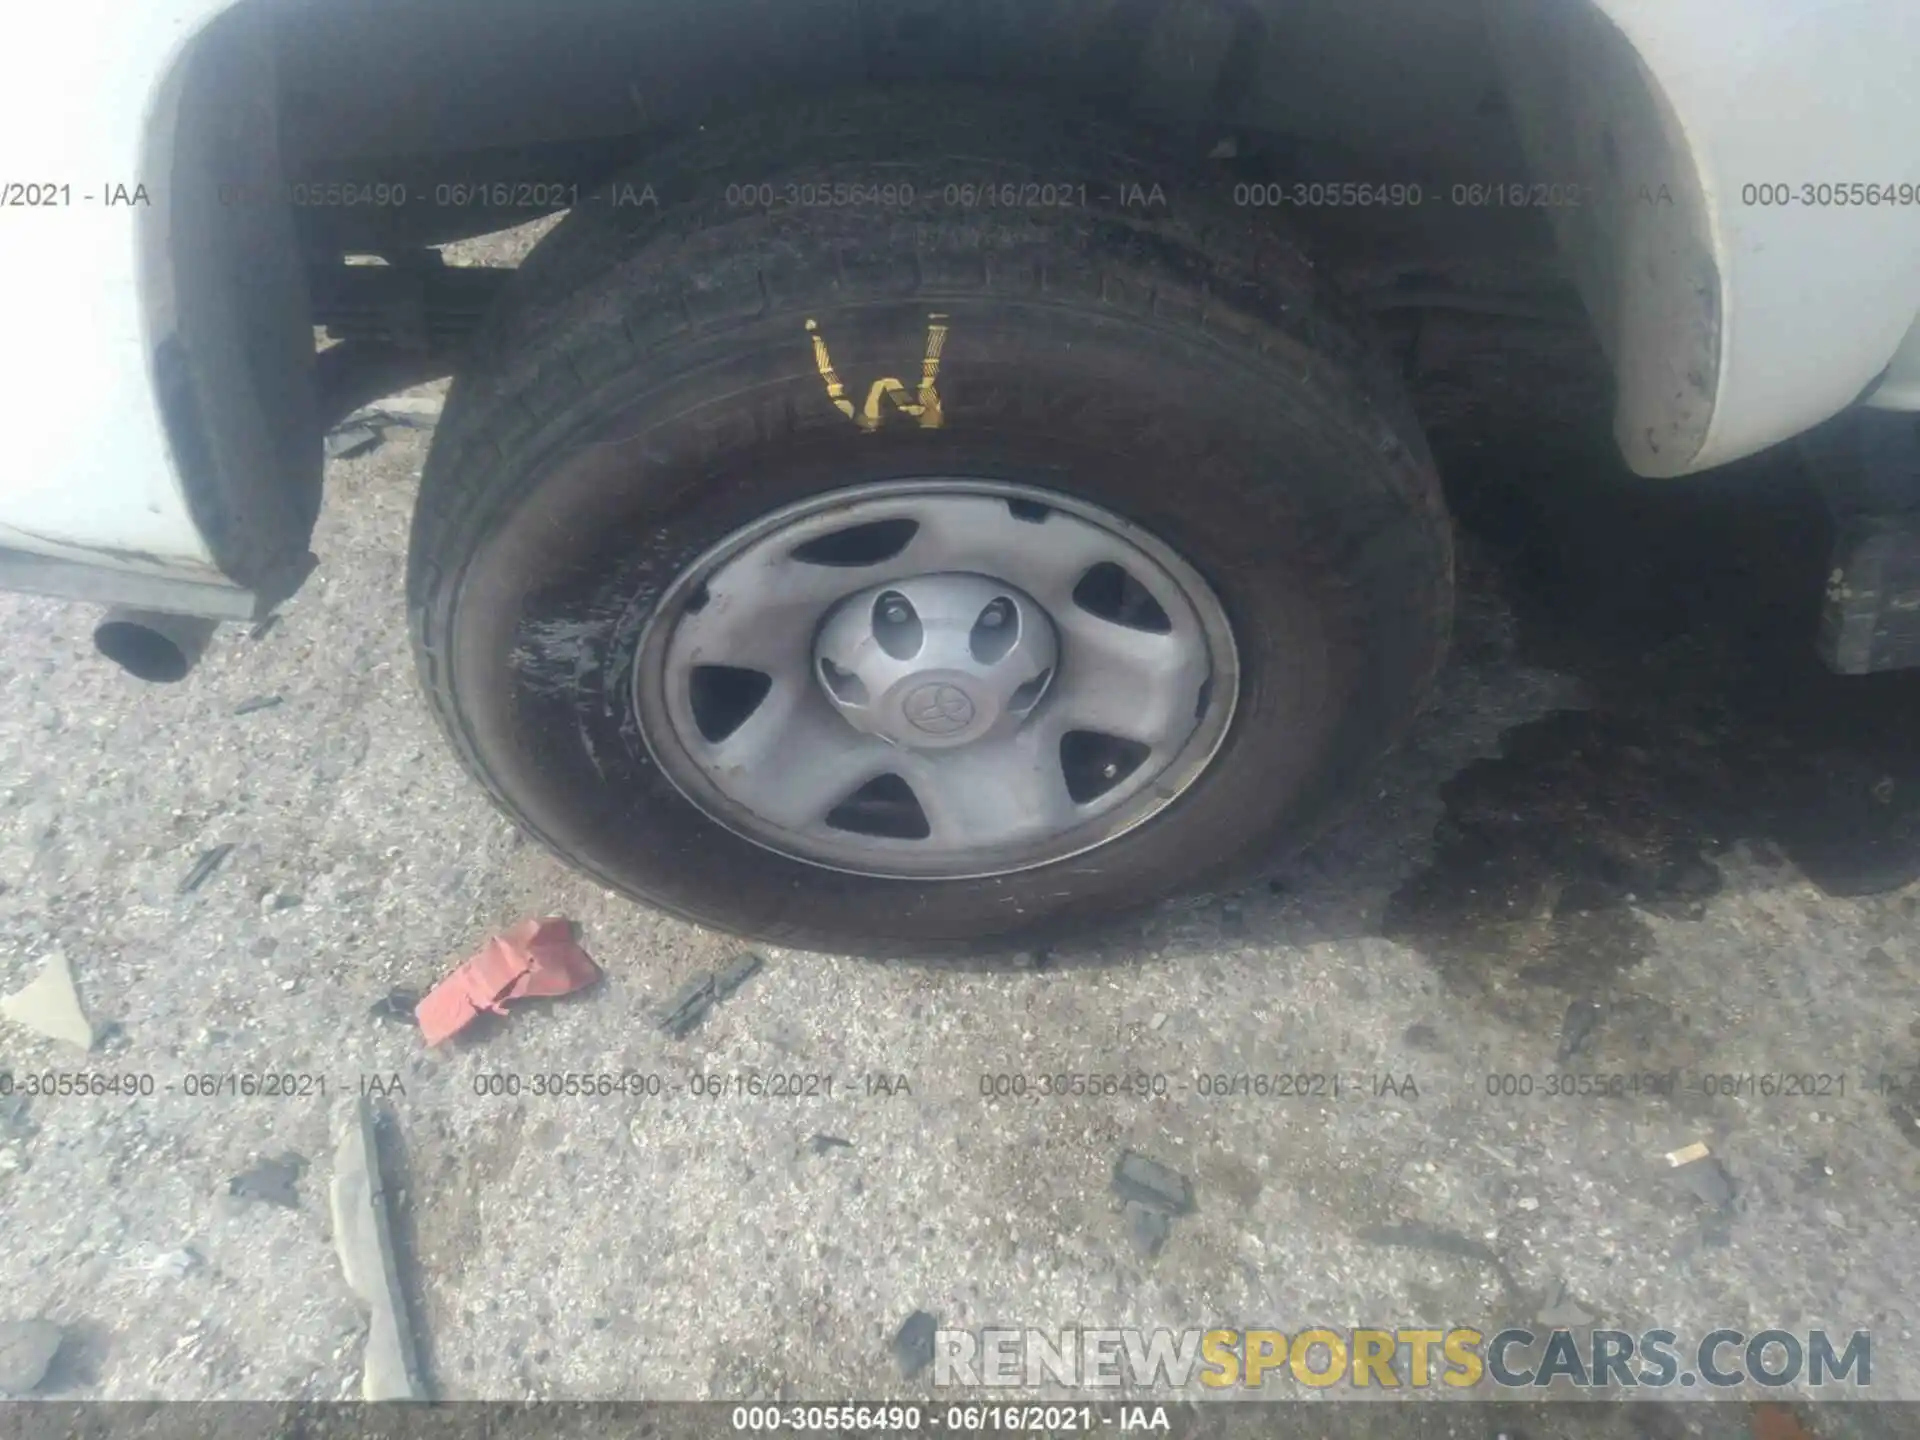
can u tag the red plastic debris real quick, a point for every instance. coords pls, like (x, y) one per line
(535, 957)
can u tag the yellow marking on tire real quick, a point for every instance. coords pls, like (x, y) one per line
(836, 392)
(923, 405)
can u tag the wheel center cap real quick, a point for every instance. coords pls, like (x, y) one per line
(938, 708)
(937, 660)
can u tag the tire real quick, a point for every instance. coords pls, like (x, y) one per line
(648, 388)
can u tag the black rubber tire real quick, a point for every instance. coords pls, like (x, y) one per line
(647, 386)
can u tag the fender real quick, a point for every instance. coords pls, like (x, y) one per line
(1733, 321)
(161, 445)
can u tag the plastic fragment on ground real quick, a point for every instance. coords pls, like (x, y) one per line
(536, 958)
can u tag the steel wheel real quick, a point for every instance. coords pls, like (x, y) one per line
(939, 679)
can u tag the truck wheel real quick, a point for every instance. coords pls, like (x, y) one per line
(840, 538)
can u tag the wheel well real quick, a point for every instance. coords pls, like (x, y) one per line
(564, 91)
(438, 101)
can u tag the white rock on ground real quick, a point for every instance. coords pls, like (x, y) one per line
(50, 1005)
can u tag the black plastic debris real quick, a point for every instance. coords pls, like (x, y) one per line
(1148, 1227)
(1418, 1235)
(257, 704)
(203, 868)
(688, 1007)
(736, 974)
(821, 1144)
(1577, 1029)
(273, 1181)
(1149, 1183)
(351, 440)
(684, 1013)
(913, 1346)
(396, 1006)
(407, 412)
(1906, 1119)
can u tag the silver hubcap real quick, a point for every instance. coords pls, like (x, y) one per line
(936, 679)
(937, 661)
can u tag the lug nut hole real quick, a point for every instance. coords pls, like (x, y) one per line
(896, 626)
(995, 631)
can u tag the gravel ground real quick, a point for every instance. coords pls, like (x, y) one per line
(1632, 812)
